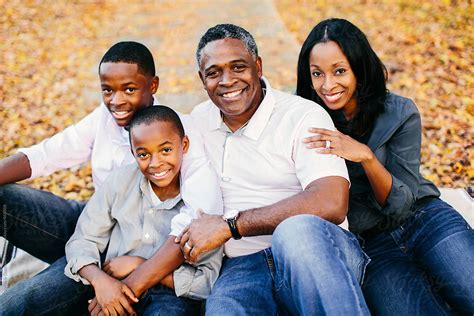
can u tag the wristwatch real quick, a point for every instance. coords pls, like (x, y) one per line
(231, 218)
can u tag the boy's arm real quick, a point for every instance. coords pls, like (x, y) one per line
(66, 149)
(14, 168)
(167, 259)
(92, 232)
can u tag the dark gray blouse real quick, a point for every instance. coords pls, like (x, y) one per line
(395, 139)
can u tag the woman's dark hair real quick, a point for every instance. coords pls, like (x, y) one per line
(369, 71)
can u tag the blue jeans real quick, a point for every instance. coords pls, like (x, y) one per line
(36, 221)
(313, 268)
(422, 265)
(53, 293)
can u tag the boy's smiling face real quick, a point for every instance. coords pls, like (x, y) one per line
(159, 149)
(125, 89)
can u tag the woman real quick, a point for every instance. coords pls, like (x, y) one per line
(422, 250)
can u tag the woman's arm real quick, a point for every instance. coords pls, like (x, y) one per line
(348, 148)
(395, 184)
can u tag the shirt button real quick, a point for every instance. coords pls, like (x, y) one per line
(150, 211)
(226, 179)
(147, 236)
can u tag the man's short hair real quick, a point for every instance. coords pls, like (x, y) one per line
(131, 53)
(160, 113)
(222, 31)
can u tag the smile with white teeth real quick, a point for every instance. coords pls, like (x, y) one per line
(120, 114)
(333, 97)
(232, 94)
(160, 174)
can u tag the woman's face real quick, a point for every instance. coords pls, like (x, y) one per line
(332, 78)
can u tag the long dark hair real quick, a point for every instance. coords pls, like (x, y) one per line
(369, 71)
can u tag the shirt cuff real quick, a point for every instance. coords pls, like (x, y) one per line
(73, 266)
(179, 223)
(34, 160)
(183, 279)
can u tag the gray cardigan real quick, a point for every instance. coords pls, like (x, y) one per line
(396, 140)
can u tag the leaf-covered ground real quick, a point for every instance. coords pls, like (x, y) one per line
(48, 70)
(428, 48)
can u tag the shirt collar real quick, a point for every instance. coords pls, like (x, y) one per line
(254, 127)
(153, 200)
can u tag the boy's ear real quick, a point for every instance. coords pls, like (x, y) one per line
(185, 144)
(155, 83)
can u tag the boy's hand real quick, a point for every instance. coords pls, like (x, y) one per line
(120, 267)
(112, 297)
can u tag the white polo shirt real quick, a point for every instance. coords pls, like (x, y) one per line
(265, 161)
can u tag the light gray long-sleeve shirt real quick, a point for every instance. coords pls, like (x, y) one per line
(122, 215)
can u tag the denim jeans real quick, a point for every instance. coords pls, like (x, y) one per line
(312, 268)
(36, 221)
(53, 293)
(422, 265)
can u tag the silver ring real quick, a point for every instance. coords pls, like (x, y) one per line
(328, 144)
(186, 245)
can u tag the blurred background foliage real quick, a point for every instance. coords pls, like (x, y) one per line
(50, 54)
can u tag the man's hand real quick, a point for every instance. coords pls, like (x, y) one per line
(120, 267)
(112, 297)
(205, 233)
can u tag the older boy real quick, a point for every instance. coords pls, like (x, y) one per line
(40, 222)
(129, 220)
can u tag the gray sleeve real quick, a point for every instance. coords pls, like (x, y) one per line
(403, 163)
(91, 235)
(196, 281)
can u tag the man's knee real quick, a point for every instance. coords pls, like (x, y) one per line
(300, 232)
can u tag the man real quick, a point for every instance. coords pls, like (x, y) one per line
(285, 200)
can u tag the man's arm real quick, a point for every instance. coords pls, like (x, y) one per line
(326, 197)
(14, 168)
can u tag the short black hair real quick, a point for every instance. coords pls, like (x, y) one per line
(223, 31)
(131, 53)
(155, 113)
(370, 72)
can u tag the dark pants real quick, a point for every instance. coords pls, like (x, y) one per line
(36, 221)
(53, 293)
(422, 265)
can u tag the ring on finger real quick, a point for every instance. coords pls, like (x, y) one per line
(328, 144)
(188, 246)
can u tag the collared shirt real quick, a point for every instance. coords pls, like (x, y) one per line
(127, 218)
(266, 161)
(98, 138)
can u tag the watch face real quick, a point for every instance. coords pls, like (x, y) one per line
(231, 214)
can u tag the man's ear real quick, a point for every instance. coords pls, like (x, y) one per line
(202, 79)
(155, 83)
(259, 64)
(185, 144)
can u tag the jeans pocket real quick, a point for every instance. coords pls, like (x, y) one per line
(359, 260)
(362, 268)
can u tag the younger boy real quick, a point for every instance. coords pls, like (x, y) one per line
(128, 219)
(40, 222)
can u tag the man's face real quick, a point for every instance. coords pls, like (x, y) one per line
(231, 78)
(125, 89)
(158, 150)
